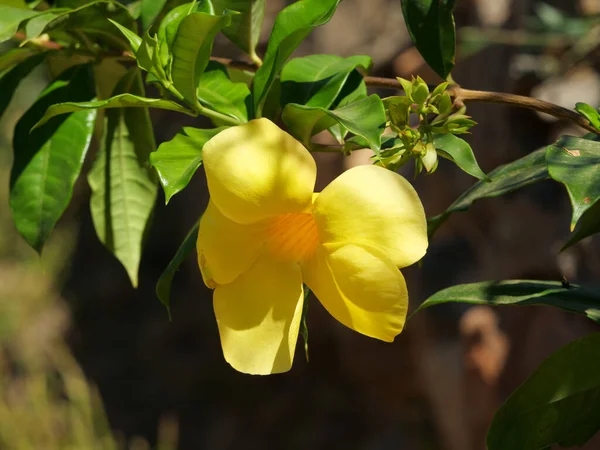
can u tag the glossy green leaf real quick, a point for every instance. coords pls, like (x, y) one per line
(123, 184)
(589, 113)
(292, 25)
(118, 101)
(217, 92)
(430, 24)
(134, 40)
(505, 179)
(588, 224)
(558, 404)
(150, 11)
(167, 30)
(578, 299)
(177, 160)
(48, 160)
(460, 152)
(11, 18)
(11, 80)
(35, 26)
(318, 80)
(163, 286)
(365, 118)
(244, 30)
(575, 162)
(192, 49)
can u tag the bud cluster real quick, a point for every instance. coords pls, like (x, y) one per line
(436, 114)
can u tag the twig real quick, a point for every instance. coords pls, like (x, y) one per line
(459, 94)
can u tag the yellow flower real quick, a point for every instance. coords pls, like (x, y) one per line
(265, 232)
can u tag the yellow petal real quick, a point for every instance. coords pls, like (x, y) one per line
(259, 317)
(376, 207)
(226, 249)
(361, 287)
(256, 170)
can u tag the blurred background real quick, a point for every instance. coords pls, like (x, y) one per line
(88, 362)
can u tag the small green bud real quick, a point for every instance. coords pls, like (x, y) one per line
(420, 91)
(444, 103)
(430, 158)
(440, 89)
(407, 86)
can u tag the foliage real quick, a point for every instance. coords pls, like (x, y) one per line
(104, 53)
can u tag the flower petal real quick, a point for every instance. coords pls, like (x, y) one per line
(256, 170)
(376, 207)
(226, 249)
(361, 287)
(259, 317)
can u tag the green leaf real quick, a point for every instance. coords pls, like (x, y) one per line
(430, 24)
(460, 152)
(11, 80)
(48, 160)
(150, 11)
(318, 80)
(575, 162)
(134, 40)
(217, 92)
(505, 179)
(36, 25)
(588, 224)
(11, 18)
(118, 101)
(578, 299)
(589, 113)
(244, 30)
(292, 25)
(177, 160)
(192, 49)
(365, 118)
(163, 286)
(14, 56)
(93, 21)
(123, 185)
(558, 404)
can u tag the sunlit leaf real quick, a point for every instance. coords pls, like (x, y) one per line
(292, 25)
(150, 10)
(11, 18)
(575, 162)
(318, 80)
(244, 30)
(177, 160)
(192, 49)
(48, 160)
(118, 101)
(123, 184)
(365, 118)
(460, 152)
(217, 92)
(589, 113)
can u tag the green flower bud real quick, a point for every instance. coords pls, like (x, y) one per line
(430, 158)
(420, 91)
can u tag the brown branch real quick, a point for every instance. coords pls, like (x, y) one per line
(468, 95)
(459, 94)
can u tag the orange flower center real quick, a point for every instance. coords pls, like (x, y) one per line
(293, 237)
